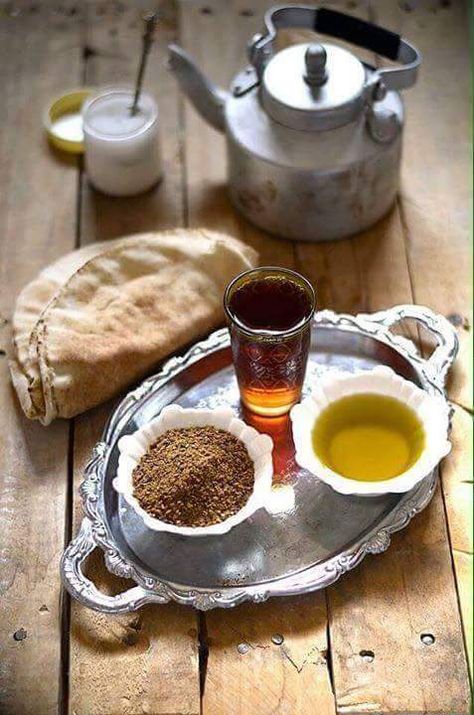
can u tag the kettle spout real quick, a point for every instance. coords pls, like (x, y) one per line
(208, 99)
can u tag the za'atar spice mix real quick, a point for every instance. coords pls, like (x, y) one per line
(194, 476)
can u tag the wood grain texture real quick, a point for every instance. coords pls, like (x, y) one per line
(251, 671)
(37, 218)
(458, 489)
(382, 609)
(145, 662)
(265, 679)
(436, 210)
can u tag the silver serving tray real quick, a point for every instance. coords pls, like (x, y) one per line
(304, 549)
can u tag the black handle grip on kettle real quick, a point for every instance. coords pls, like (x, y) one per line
(345, 27)
(358, 32)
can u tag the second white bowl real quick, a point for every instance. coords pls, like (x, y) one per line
(432, 411)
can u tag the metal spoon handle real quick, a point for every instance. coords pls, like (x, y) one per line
(150, 21)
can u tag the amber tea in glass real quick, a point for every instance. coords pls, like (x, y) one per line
(269, 312)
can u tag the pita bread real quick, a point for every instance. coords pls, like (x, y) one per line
(30, 304)
(102, 317)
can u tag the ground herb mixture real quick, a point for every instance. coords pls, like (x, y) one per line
(195, 476)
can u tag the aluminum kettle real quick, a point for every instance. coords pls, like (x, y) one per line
(314, 136)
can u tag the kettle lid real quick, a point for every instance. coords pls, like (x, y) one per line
(313, 86)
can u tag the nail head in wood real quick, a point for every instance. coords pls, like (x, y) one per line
(20, 634)
(427, 638)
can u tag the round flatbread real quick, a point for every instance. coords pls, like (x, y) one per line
(101, 318)
(31, 302)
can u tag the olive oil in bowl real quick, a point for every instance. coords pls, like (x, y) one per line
(368, 437)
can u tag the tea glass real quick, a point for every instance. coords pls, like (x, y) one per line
(270, 364)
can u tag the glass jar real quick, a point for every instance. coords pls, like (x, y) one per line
(122, 150)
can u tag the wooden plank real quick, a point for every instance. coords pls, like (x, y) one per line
(387, 614)
(265, 679)
(37, 219)
(384, 608)
(145, 662)
(269, 658)
(436, 209)
(457, 487)
(379, 614)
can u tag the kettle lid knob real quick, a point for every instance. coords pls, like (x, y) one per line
(315, 59)
(313, 86)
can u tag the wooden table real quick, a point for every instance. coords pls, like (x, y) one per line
(357, 647)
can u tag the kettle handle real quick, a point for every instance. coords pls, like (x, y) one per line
(345, 27)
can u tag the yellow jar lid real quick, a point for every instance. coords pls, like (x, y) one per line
(63, 121)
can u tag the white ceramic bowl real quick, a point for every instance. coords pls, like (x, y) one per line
(432, 410)
(259, 446)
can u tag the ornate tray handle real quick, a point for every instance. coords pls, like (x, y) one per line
(84, 590)
(379, 324)
(443, 356)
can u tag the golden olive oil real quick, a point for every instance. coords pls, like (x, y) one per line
(368, 437)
